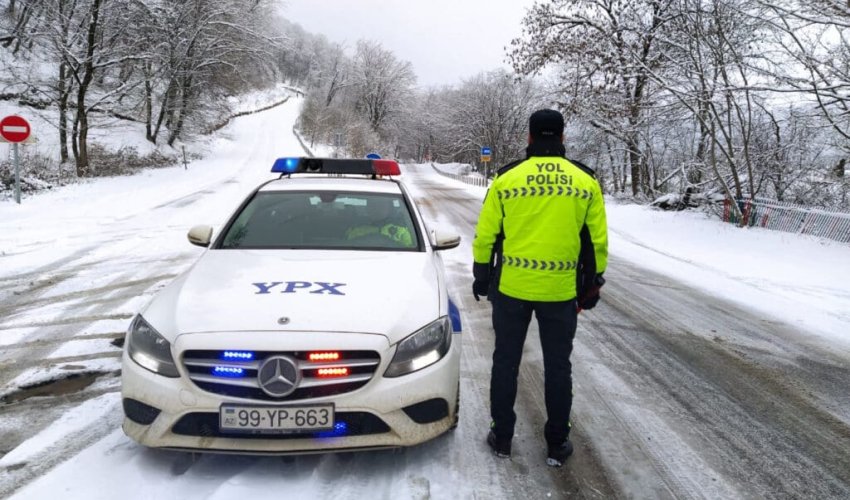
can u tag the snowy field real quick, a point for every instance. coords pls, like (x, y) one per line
(77, 263)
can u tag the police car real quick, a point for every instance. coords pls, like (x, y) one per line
(317, 320)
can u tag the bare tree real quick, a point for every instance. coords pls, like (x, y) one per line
(490, 109)
(126, 58)
(814, 36)
(382, 83)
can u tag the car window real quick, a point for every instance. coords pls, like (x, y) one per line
(323, 220)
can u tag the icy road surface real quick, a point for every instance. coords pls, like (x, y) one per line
(678, 394)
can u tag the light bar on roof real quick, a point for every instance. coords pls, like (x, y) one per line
(294, 165)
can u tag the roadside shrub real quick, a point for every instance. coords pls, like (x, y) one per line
(125, 161)
(38, 172)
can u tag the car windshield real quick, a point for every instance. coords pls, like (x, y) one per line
(323, 220)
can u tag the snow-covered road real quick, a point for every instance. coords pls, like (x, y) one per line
(678, 393)
(80, 261)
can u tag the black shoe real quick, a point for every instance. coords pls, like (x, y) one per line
(558, 454)
(501, 447)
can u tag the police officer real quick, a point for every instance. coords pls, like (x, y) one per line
(541, 246)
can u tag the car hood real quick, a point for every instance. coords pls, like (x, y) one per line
(386, 293)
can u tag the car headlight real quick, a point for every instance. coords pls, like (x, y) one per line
(150, 349)
(423, 348)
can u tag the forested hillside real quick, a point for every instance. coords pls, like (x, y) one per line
(167, 66)
(740, 99)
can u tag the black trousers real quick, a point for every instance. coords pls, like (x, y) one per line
(557, 325)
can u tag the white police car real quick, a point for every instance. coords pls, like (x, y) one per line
(318, 320)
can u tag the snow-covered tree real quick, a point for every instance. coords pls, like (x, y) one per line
(382, 84)
(602, 50)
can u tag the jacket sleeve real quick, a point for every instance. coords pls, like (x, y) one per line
(597, 225)
(488, 228)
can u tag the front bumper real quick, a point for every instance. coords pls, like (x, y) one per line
(174, 413)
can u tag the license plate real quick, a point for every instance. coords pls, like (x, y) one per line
(276, 419)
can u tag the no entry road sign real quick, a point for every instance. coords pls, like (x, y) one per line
(14, 129)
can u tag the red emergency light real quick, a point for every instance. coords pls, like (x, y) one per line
(317, 357)
(332, 372)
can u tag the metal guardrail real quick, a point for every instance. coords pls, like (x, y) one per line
(301, 141)
(789, 218)
(474, 181)
(226, 121)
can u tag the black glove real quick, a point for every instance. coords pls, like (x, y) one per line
(591, 296)
(481, 285)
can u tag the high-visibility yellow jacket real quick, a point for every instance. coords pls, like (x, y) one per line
(538, 209)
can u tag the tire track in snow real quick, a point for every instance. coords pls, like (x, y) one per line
(15, 477)
(720, 415)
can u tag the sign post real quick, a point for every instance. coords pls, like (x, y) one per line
(485, 159)
(17, 161)
(15, 129)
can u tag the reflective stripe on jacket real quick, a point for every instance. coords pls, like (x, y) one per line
(539, 207)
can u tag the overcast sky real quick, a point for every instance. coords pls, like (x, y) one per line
(446, 40)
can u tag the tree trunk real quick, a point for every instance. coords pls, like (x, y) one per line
(184, 109)
(64, 92)
(695, 177)
(75, 148)
(163, 110)
(82, 139)
(634, 162)
(149, 104)
(88, 76)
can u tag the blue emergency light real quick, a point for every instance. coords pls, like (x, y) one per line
(228, 371)
(288, 166)
(340, 429)
(237, 356)
(285, 165)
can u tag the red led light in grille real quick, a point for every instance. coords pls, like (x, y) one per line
(323, 356)
(333, 372)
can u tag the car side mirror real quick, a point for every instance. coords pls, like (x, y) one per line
(444, 240)
(200, 236)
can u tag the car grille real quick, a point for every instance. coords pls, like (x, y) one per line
(202, 366)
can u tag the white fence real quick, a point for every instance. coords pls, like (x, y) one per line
(790, 218)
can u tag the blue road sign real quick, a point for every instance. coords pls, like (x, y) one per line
(373, 156)
(486, 151)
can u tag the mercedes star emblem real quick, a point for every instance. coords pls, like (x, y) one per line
(279, 376)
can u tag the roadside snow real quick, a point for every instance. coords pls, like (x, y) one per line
(800, 280)
(73, 421)
(77, 215)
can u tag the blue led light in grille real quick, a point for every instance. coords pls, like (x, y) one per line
(228, 371)
(237, 356)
